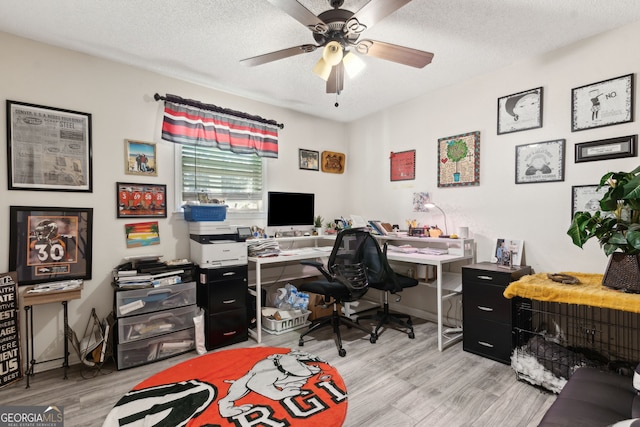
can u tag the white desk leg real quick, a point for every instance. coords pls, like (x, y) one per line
(258, 304)
(439, 302)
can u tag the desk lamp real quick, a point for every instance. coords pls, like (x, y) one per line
(431, 206)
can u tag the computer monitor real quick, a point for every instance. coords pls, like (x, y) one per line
(290, 209)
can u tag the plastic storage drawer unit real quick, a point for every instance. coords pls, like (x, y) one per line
(147, 300)
(149, 325)
(153, 349)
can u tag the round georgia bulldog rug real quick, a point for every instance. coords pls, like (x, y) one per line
(260, 386)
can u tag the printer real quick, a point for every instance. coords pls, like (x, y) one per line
(215, 244)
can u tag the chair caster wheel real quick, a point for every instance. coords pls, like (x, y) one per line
(342, 352)
(373, 339)
(301, 343)
(412, 335)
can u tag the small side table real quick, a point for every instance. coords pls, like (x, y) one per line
(31, 299)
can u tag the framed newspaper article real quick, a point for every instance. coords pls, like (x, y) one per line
(50, 244)
(48, 148)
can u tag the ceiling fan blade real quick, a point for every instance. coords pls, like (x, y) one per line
(391, 52)
(279, 54)
(301, 14)
(335, 82)
(376, 10)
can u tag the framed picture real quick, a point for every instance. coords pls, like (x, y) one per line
(333, 162)
(142, 234)
(459, 160)
(309, 160)
(605, 103)
(520, 111)
(50, 244)
(403, 165)
(586, 198)
(48, 148)
(141, 158)
(141, 200)
(508, 252)
(605, 149)
(540, 162)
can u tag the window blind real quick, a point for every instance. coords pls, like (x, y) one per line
(221, 174)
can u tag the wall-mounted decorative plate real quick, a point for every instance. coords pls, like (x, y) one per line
(333, 162)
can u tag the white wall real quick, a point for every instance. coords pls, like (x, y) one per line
(537, 213)
(120, 99)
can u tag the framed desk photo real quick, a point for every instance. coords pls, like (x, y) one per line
(48, 148)
(605, 103)
(50, 244)
(520, 111)
(540, 162)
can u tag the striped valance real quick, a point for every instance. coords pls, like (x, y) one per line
(191, 122)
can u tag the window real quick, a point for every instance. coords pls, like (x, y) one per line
(207, 171)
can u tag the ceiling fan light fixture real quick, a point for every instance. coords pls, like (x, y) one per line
(332, 53)
(322, 69)
(353, 64)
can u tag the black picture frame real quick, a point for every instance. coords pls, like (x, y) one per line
(605, 103)
(309, 159)
(137, 200)
(605, 149)
(520, 111)
(48, 149)
(48, 244)
(586, 198)
(540, 162)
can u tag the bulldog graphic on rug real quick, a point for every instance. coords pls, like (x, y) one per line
(276, 377)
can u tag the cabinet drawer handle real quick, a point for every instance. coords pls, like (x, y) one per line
(229, 301)
(480, 307)
(228, 334)
(230, 273)
(486, 344)
(485, 277)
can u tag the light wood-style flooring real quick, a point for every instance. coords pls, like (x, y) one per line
(395, 382)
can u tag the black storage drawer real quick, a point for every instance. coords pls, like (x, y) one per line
(489, 339)
(487, 315)
(222, 289)
(226, 328)
(486, 302)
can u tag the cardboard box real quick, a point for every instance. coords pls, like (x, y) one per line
(316, 302)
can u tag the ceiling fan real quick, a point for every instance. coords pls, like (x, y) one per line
(338, 32)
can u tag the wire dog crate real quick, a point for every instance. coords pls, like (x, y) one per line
(554, 339)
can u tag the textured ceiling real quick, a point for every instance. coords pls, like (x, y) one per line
(203, 41)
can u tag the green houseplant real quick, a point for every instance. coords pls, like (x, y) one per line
(616, 226)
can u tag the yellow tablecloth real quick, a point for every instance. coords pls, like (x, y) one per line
(588, 292)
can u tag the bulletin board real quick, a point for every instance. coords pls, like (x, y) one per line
(403, 165)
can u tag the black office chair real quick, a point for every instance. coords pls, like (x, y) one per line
(345, 280)
(383, 278)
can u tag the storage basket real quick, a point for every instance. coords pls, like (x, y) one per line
(205, 212)
(274, 326)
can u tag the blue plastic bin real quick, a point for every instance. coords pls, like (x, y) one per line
(205, 212)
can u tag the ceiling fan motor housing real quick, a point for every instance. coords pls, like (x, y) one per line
(335, 20)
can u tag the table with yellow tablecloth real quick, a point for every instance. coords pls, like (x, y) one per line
(588, 292)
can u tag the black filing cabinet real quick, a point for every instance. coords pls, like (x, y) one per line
(487, 314)
(222, 293)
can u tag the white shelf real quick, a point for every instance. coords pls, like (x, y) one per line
(451, 282)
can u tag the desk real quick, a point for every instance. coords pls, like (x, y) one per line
(298, 255)
(31, 299)
(463, 250)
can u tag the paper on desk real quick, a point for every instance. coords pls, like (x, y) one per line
(407, 249)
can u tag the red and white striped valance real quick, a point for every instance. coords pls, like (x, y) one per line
(194, 123)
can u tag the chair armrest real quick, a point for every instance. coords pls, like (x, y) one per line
(320, 268)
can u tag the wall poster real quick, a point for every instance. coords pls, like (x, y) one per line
(10, 365)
